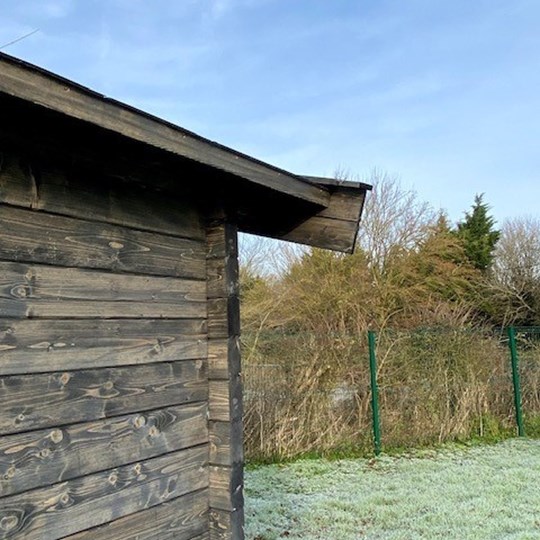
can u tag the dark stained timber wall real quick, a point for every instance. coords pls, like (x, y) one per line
(225, 400)
(103, 360)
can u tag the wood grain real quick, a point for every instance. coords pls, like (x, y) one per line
(33, 345)
(31, 402)
(226, 487)
(66, 508)
(73, 191)
(345, 204)
(336, 226)
(225, 525)
(225, 400)
(183, 518)
(225, 384)
(222, 437)
(222, 281)
(223, 358)
(39, 458)
(218, 359)
(29, 290)
(223, 317)
(326, 233)
(221, 239)
(27, 236)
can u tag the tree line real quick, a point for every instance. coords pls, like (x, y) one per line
(411, 268)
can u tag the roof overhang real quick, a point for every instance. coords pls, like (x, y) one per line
(316, 211)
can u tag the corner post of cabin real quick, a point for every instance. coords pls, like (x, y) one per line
(225, 381)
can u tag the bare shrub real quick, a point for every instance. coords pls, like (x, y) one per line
(394, 219)
(515, 283)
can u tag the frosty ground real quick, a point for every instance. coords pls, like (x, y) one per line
(478, 493)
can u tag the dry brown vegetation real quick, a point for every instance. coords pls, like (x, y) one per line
(443, 370)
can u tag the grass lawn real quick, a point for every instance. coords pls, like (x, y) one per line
(483, 492)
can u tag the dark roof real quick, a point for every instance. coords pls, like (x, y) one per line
(313, 195)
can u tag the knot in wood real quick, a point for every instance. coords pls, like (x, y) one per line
(140, 421)
(116, 245)
(108, 385)
(20, 291)
(113, 478)
(64, 379)
(8, 523)
(64, 499)
(10, 473)
(56, 436)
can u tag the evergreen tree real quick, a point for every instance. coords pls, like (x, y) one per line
(478, 235)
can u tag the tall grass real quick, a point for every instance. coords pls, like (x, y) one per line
(309, 393)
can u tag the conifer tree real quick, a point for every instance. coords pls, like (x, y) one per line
(478, 235)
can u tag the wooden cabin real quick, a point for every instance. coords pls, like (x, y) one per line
(120, 378)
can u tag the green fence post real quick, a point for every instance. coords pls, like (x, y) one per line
(374, 393)
(515, 379)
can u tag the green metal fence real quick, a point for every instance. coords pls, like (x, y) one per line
(520, 378)
(327, 391)
(524, 344)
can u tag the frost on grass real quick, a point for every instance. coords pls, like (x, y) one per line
(483, 493)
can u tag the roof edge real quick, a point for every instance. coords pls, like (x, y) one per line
(336, 182)
(41, 87)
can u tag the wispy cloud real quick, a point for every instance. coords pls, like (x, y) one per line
(219, 8)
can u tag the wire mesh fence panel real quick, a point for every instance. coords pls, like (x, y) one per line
(304, 393)
(528, 349)
(442, 385)
(308, 392)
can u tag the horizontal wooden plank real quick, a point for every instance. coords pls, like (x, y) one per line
(183, 518)
(227, 487)
(96, 197)
(222, 450)
(28, 236)
(33, 345)
(45, 89)
(28, 290)
(225, 400)
(40, 458)
(326, 233)
(225, 525)
(33, 402)
(66, 508)
(345, 204)
(336, 226)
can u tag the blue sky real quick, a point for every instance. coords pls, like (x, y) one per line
(445, 94)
